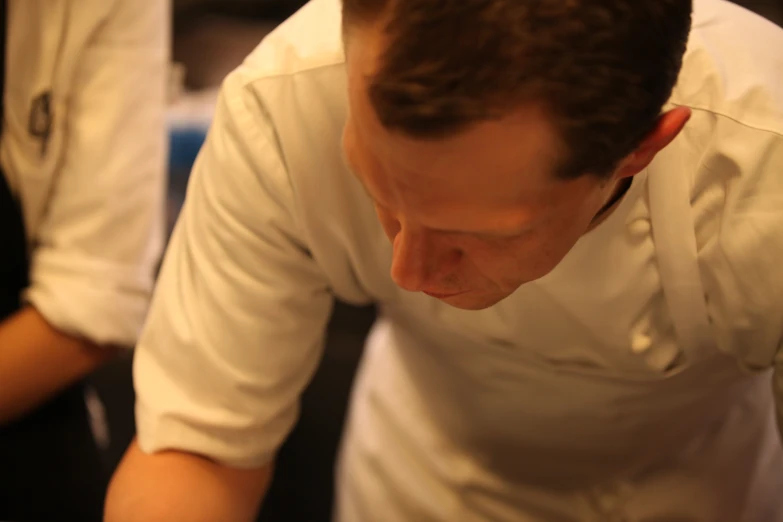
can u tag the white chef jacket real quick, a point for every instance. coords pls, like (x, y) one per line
(630, 383)
(92, 188)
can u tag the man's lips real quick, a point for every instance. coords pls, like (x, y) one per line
(440, 295)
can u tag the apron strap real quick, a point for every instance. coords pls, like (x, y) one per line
(673, 228)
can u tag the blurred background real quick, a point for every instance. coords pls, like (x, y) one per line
(210, 38)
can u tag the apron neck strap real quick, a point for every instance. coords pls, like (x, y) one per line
(673, 229)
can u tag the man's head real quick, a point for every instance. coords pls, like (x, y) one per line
(489, 133)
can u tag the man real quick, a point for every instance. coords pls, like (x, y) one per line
(82, 180)
(577, 265)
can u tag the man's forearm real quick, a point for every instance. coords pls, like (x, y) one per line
(180, 486)
(37, 361)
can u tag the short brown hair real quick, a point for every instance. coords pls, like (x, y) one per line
(603, 68)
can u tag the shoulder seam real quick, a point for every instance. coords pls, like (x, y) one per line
(777, 133)
(278, 75)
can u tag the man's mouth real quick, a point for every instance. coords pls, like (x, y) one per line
(442, 296)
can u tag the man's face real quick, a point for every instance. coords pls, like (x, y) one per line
(470, 217)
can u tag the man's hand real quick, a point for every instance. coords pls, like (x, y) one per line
(173, 485)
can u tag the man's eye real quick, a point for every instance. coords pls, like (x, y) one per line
(498, 238)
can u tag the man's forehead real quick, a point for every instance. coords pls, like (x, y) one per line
(521, 142)
(499, 151)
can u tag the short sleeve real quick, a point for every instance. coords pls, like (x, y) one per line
(97, 249)
(236, 327)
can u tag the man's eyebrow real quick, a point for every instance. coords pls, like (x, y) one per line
(498, 233)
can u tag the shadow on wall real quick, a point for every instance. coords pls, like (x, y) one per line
(212, 37)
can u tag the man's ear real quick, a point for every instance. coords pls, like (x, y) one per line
(669, 125)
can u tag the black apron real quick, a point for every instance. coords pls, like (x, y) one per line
(50, 466)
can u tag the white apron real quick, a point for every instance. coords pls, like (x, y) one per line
(692, 441)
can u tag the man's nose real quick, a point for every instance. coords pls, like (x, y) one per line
(409, 270)
(418, 260)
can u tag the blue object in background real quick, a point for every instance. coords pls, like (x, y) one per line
(185, 143)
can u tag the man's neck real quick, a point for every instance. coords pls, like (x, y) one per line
(620, 189)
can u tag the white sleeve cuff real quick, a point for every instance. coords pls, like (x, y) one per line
(182, 423)
(103, 302)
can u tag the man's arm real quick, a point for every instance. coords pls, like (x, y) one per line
(235, 330)
(37, 361)
(194, 488)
